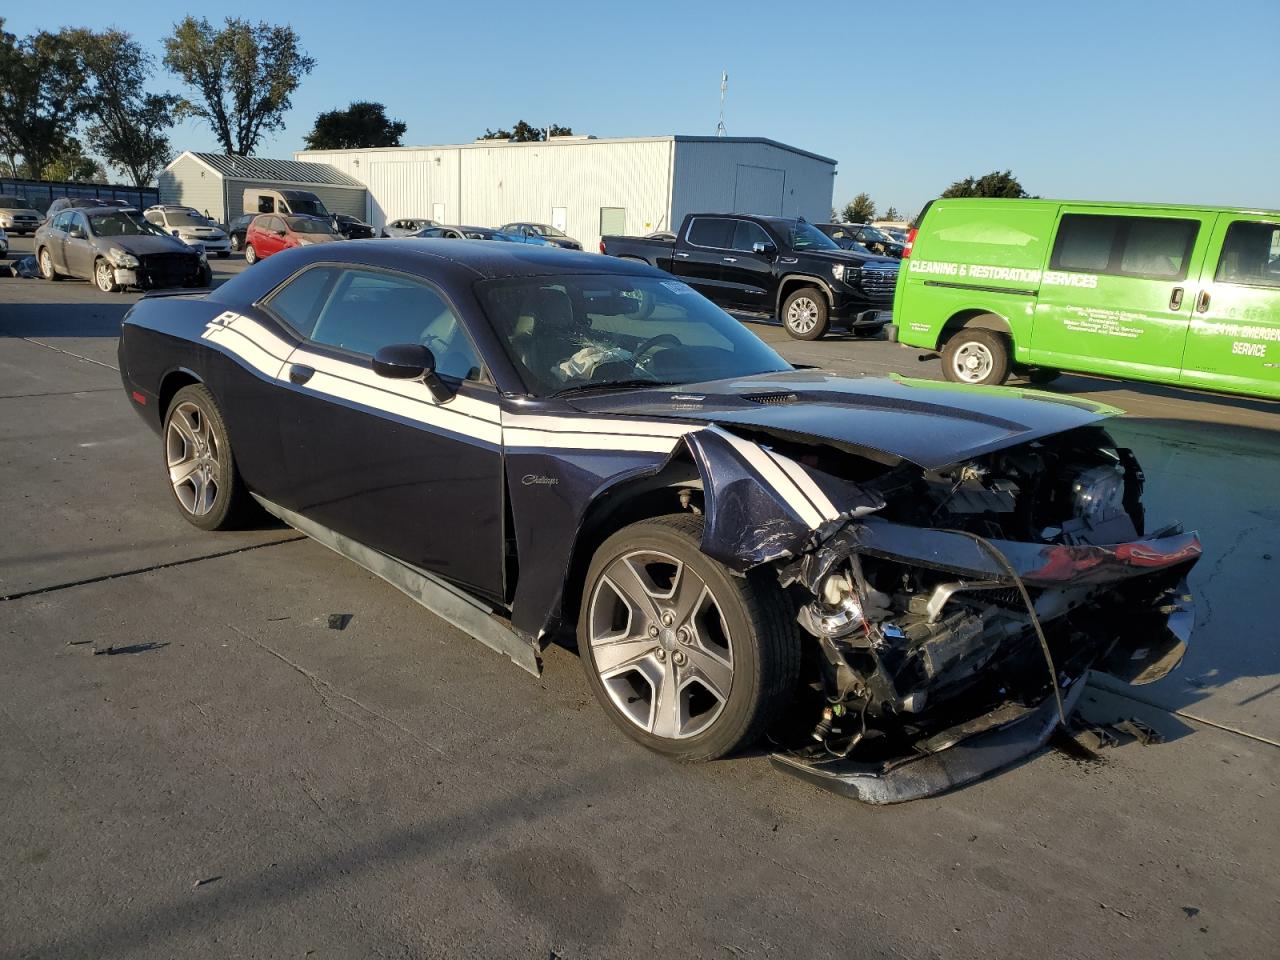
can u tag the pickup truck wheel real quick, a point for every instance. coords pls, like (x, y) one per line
(688, 659)
(976, 355)
(804, 313)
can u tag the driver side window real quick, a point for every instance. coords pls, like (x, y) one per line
(365, 310)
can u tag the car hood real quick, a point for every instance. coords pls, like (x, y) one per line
(858, 259)
(142, 246)
(890, 419)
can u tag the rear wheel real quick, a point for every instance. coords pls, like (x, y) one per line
(976, 355)
(201, 466)
(250, 254)
(688, 659)
(804, 313)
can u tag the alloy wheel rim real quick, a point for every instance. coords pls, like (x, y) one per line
(105, 280)
(802, 315)
(193, 457)
(660, 644)
(46, 263)
(973, 362)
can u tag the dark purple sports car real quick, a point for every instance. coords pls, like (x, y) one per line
(905, 583)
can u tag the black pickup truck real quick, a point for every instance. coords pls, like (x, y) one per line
(777, 265)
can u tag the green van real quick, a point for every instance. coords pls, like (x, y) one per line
(1175, 294)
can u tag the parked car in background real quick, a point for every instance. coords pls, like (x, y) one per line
(442, 232)
(784, 267)
(897, 567)
(17, 216)
(548, 234)
(272, 232)
(849, 236)
(74, 203)
(1183, 295)
(266, 200)
(190, 226)
(352, 228)
(407, 226)
(239, 227)
(116, 248)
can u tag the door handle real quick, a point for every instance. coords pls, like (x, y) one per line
(300, 374)
(683, 255)
(1202, 301)
(1175, 299)
(730, 259)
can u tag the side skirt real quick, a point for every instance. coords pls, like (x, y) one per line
(467, 613)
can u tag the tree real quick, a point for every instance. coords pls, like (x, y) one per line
(362, 124)
(71, 163)
(861, 209)
(126, 124)
(39, 93)
(526, 133)
(244, 76)
(994, 184)
(891, 214)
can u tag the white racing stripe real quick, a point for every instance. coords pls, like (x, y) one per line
(773, 474)
(811, 490)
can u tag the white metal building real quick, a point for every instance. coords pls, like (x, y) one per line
(216, 182)
(588, 187)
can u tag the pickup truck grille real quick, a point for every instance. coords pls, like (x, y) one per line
(878, 282)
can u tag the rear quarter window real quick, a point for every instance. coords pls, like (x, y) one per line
(1010, 236)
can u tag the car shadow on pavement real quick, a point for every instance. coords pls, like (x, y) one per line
(1098, 387)
(44, 320)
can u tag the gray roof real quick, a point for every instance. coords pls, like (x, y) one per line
(278, 171)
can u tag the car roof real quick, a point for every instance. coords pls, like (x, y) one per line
(103, 211)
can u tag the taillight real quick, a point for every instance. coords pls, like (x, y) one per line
(602, 250)
(911, 239)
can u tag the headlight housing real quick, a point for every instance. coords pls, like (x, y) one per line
(1097, 494)
(122, 258)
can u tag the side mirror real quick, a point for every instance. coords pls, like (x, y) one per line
(411, 361)
(765, 249)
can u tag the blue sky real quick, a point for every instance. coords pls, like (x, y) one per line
(1164, 100)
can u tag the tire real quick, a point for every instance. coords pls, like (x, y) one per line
(104, 277)
(47, 270)
(976, 356)
(804, 313)
(195, 435)
(751, 648)
(236, 244)
(250, 254)
(1040, 375)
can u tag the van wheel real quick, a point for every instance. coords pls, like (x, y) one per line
(804, 313)
(689, 659)
(978, 356)
(1043, 375)
(250, 254)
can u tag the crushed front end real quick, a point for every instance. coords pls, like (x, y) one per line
(956, 613)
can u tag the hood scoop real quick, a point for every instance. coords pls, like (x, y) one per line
(772, 398)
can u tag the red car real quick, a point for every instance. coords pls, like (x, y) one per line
(272, 232)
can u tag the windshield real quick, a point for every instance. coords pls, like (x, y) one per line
(313, 208)
(542, 230)
(427, 232)
(186, 218)
(805, 236)
(873, 234)
(303, 225)
(574, 332)
(123, 224)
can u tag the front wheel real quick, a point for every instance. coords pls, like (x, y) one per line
(804, 314)
(104, 277)
(250, 254)
(688, 659)
(47, 269)
(235, 244)
(976, 355)
(201, 467)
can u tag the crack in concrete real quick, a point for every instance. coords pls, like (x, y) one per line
(78, 356)
(53, 588)
(56, 393)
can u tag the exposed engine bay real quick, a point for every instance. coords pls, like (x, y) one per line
(960, 601)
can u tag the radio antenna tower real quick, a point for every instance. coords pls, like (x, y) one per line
(724, 89)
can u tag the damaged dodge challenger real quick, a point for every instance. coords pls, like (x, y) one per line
(901, 584)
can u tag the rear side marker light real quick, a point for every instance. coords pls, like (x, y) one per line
(911, 242)
(139, 398)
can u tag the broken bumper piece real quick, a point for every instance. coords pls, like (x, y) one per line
(948, 759)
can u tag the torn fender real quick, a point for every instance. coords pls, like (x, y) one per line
(761, 505)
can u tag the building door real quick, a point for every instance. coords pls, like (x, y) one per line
(613, 221)
(759, 190)
(437, 212)
(560, 218)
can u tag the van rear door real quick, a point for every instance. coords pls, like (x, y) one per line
(1117, 293)
(1234, 342)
